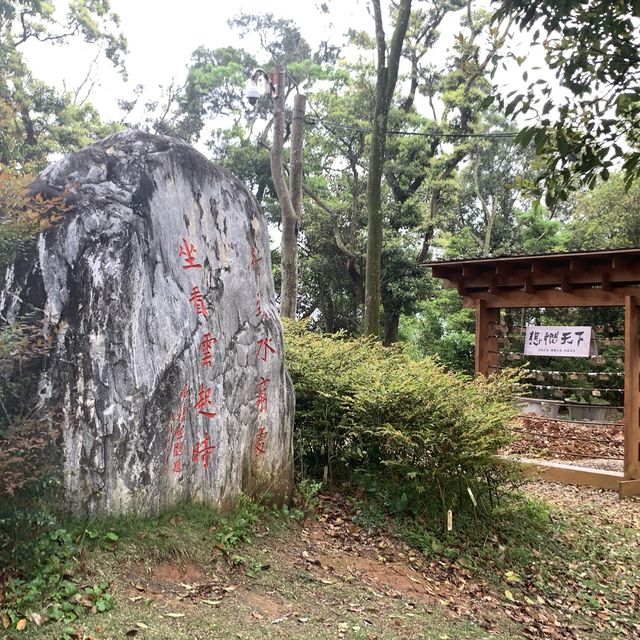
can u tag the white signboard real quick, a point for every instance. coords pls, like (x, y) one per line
(571, 342)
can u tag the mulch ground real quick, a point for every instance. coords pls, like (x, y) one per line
(538, 437)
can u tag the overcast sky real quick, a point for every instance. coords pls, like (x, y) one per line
(162, 34)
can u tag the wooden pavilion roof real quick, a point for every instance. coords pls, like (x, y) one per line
(578, 279)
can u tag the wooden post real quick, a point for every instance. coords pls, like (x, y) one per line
(487, 322)
(631, 389)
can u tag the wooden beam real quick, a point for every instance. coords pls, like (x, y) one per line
(577, 265)
(469, 271)
(631, 389)
(445, 272)
(528, 286)
(619, 263)
(569, 474)
(487, 321)
(566, 286)
(605, 255)
(553, 275)
(537, 267)
(551, 298)
(629, 488)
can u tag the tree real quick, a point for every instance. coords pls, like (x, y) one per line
(419, 170)
(420, 166)
(214, 87)
(387, 75)
(36, 119)
(289, 197)
(592, 45)
(606, 217)
(482, 219)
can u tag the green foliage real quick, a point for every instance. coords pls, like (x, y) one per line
(539, 233)
(593, 49)
(428, 431)
(16, 225)
(46, 578)
(42, 557)
(37, 120)
(308, 490)
(443, 329)
(606, 217)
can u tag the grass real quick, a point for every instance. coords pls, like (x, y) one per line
(568, 570)
(257, 589)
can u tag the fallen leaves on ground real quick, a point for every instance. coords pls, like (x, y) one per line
(591, 593)
(557, 439)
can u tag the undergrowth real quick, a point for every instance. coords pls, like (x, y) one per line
(365, 408)
(45, 575)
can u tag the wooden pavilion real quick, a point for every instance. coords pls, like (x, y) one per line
(583, 279)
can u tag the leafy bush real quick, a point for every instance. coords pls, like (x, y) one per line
(431, 433)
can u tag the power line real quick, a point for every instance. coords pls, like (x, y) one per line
(423, 134)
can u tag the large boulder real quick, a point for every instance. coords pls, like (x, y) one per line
(166, 360)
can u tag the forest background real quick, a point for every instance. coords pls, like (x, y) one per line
(502, 136)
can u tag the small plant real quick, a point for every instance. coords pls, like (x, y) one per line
(52, 588)
(237, 527)
(308, 490)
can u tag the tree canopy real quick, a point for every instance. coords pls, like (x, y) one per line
(592, 46)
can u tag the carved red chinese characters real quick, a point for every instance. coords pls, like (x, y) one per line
(202, 451)
(262, 394)
(261, 438)
(197, 299)
(264, 348)
(204, 402)
(188, 251)
(178, 436)
(205, 346)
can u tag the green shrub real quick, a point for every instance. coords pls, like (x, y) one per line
(431, 433)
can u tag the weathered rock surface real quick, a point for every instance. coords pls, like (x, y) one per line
(167, 359)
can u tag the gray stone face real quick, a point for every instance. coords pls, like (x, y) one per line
(167, 361)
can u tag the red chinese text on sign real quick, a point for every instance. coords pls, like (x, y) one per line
(197, 299)
(188, 251)
(264, 348)
(205, 346)
(204, 402)
(262, 394)
(261, 438)
(203, 449)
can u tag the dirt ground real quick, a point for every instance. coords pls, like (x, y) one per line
(330, 576)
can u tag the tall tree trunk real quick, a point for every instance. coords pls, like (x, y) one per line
(387, 75)
(287, 198)
(391, 325)
(372, 294)
(490, 214)
(327, 309)
(291, 225)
